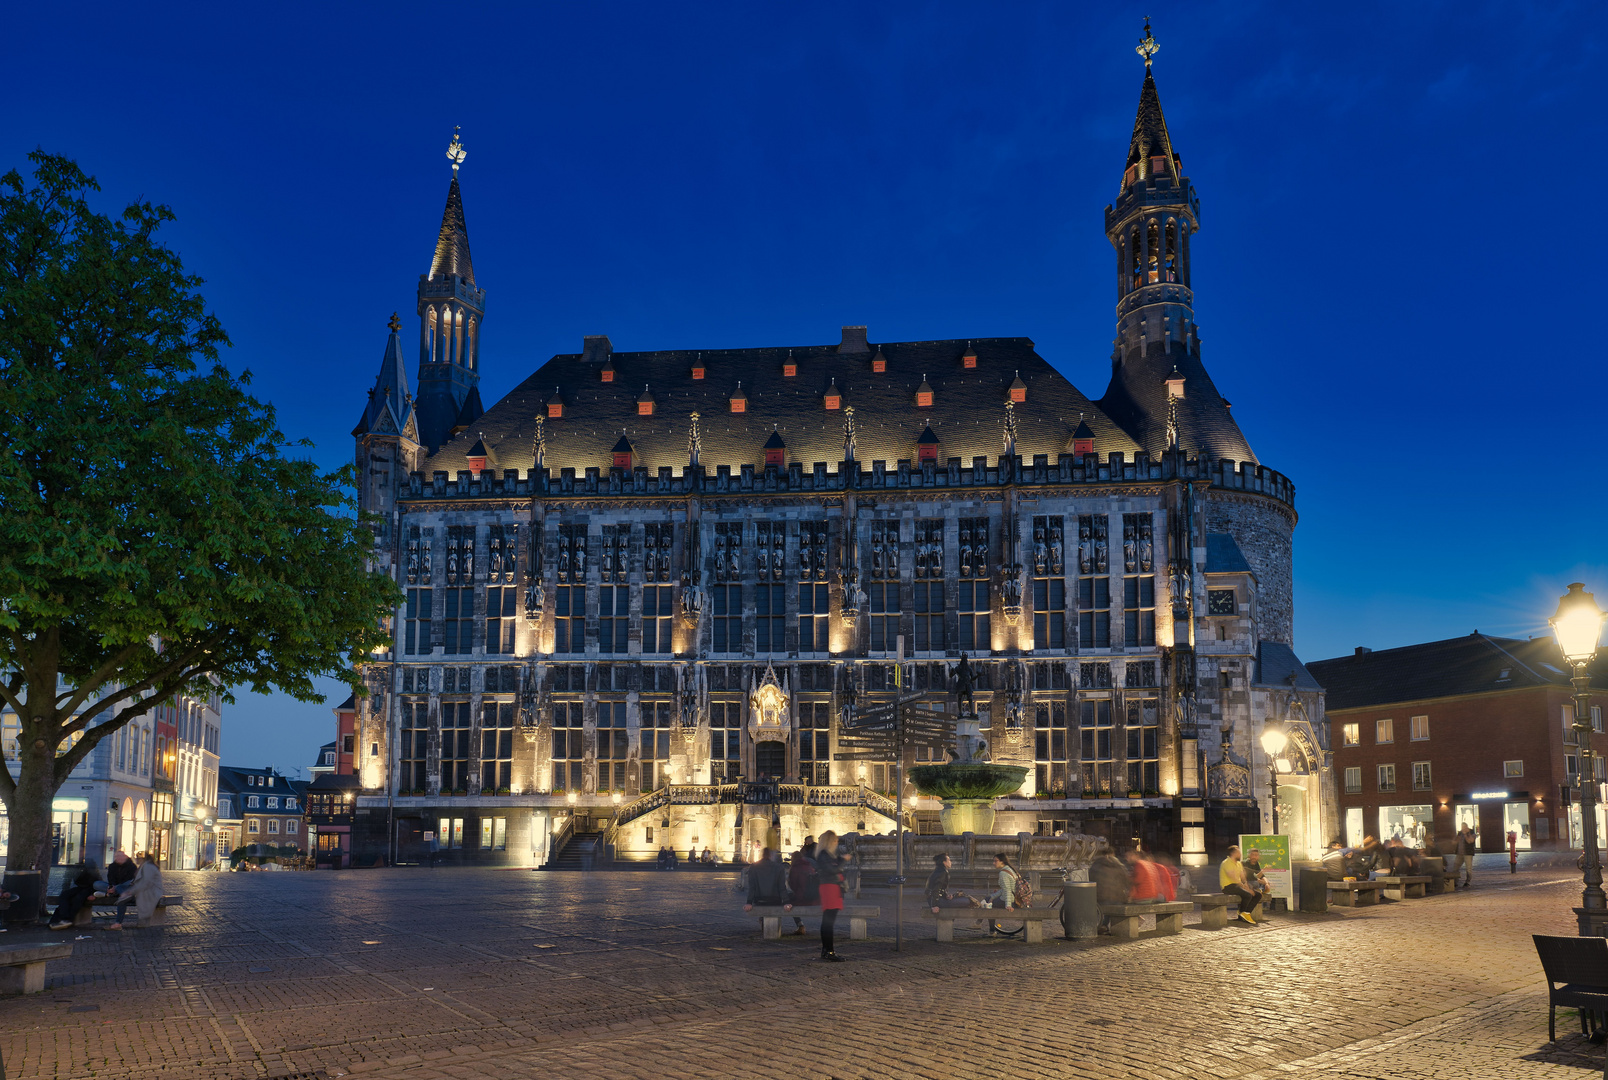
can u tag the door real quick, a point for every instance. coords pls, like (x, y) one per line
(1353, 826)
(770, 760)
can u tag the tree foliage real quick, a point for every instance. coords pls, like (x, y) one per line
(155, 536)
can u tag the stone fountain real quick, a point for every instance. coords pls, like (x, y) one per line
(970, 783)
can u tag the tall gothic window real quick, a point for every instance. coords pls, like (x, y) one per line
(929, 587)
(1050, 745)
(500, 603)
(1144, 744)
(725, 740)
(1138, 584)
(1094, 722)
(415, 749)
(460, 620)
(655, 736)
(613, 746)
(416, 627)
(727, 618)
(455, 750)
(613, 618)
(770, 618)
(1049, 583)
(569, 622)
(1094, 586)
(496, 745)
(815, 741)
(569, 749)
(884, 587)
(814, 602)
(656, 541)
(657, 610)
(973, 603)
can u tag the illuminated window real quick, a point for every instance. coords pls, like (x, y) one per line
(1513, 768)
(1352, 734)
(1420, 728)
(1384, 731)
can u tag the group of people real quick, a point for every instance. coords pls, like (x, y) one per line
(815, 877)
(1012, 891)
(1396, 858)
(135, 882)
(668, 860)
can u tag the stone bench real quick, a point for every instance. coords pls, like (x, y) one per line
(22, 967)
(770, 917)
(1032, 919)
(1354, 893)
(1402, 887)
(1214, 909)
(1124, 918)
(86, 914)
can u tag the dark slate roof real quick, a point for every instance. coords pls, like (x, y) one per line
(390, 406)
(775, 442)
(1474, 664)
(349, 703)
(472, 409)
(452, 245)
(1137, 400)
(335, 782)
(1276, 662)
(1223, 555)
(967, 413)
(1150, 138)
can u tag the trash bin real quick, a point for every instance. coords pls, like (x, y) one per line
(29, 886)
(1080, 911)
(1314, 890)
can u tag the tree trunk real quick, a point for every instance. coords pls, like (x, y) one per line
(30, 806)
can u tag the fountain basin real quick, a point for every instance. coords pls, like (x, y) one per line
(968, 792)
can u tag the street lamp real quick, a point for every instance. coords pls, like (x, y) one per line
(1274, 740)
(1578, 628)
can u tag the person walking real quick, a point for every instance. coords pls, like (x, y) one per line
(829, 867)
(803, 880)
(1464, 862)
(1231, 879)
(76, 895)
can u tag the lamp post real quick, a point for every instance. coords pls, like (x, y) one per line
(1274, 740)
(1578, 628)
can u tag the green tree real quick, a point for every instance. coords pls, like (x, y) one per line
(155, 538)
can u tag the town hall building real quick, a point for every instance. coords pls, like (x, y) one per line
(647, 587)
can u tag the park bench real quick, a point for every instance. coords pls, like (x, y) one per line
(1401, 887)
(1214, 909)
(1124, 918)
(770, 917)
(1032, 919)
(22, 967)
(86, 914)
(1580, 965)
(1354, 893)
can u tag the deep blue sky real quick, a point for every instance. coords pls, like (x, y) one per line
(1398, 275)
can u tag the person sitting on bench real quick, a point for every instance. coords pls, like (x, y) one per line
(1231, 878)
(767, 882)
(938, 894)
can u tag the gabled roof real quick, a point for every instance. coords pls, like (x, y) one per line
(775, 442)
(1084, 431)
(452, 245)
(968, 407)
(623, 446)
(927, 437)
(1223, 555)
(1475, 664)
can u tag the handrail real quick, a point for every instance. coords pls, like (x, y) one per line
(560, 838)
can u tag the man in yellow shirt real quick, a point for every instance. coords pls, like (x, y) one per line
(1231, 878)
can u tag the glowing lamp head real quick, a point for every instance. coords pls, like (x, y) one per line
(572, 798)
(1274, 740)
(1578, 624)
(615, 798)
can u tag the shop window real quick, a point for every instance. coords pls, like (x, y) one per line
(1421, 780)
(1352, 734)
(1420, 728)
(1387, 778)
(494, 834)
(1384, 731)
(1410, 824)
(451, 834)
(1513, 768)
(1354, 780)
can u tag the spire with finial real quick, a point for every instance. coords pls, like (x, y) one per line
(694, 443)
(1147, 47)
(848, 434)
(456, 153)
(395, 324)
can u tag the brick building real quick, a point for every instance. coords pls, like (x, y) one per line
(268, 808)
(642, 576)
(1474, 729)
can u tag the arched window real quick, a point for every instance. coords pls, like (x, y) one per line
(1152, 253)
(1134, 254)
(1169, 260)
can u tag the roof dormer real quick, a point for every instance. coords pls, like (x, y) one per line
(789, 366)
(1018, 389)
(927, 445)
(968, 359)
(645, 402)
(739, 400)
(775, 450)
(1083, 438)
(555, 405)
(698, 369)
(833, 398)
(606, 372)
(624, 454)
(879, 363)
(924, 394)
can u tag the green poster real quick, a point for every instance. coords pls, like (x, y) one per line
(1274, 854)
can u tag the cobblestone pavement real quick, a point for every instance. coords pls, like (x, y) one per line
(417, 974)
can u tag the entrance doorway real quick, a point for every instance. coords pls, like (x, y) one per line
(770, 760)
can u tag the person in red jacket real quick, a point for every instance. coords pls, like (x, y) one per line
(803, 880)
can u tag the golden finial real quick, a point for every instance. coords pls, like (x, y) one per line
(1148, 47)
(395, 324)
(455, 151)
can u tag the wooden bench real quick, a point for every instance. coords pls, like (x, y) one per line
(1354, 893)
(22, 967)
(1124, 918)
(770, 917)
(1214, 909)
(1032, 919)
(86, 914)
(1402, 887)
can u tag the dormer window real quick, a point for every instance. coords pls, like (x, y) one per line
(879, 363)
(833, 397)
(1083, 439)
(645, 403)
(739, 400)
(698, 369)
(924, 394)
(775, 450)
(789, 367)
(555, 406)
(927, 445)
(1018, 389)
(968, 359)
(477, 457)
(606, 372)
(623, 453)
(1175, 384)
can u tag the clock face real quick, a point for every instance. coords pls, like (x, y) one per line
(1220, 602)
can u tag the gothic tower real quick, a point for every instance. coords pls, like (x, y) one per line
(451, 308)
(1158, 343)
